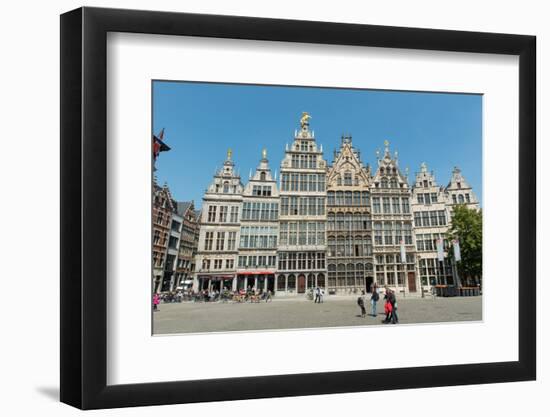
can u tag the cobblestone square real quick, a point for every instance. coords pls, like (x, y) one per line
(298, 312)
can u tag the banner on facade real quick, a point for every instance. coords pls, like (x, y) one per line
(440, 254)
(403, 253)
(456, 249)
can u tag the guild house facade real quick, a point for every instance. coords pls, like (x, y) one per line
(343, 227)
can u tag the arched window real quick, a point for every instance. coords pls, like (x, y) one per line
(281, 283)
(393, 183)
(348, 201)
(330, 198)
(339, 198)
(350, 273)
(262, 176)
(348, 221)
(226, 187)
(357, 198)
(291, 282)
(349, 241)
(358, 246)
(340, 221)
(321, 280)
(331, 221)
(357, 221)
(340, 246)
(460, 199)
(384, 183)
(341, 275)
(331, 246)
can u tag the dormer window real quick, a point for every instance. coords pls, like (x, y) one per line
(226, 187)
(384, 183)
(262, 176)
(459, 185)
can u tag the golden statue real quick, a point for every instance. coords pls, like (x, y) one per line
(264, 153)
(304, 120)
(386, 143)
(229, 153)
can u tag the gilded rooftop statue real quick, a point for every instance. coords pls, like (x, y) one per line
(304, 120)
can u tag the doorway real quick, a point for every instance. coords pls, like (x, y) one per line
(411, 282)
(368, 285)
(301, 284)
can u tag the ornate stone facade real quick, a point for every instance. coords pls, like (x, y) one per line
(302, 217)
(349, 224)
(259, 234)
(431, 220)
(216, 259)
(392, 226)
(340, 227)
(432, 208)
(162, 217)
(188, 244)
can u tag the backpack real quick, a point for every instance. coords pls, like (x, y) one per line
(360, 301)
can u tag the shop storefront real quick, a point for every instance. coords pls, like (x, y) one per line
(257, 280)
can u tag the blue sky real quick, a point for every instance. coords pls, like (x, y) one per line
(202, 120)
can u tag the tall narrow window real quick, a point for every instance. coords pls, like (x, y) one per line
(386, 204)
(212, 214)
(376, 204)
(220, 240)
(234, 214)
(223, 214)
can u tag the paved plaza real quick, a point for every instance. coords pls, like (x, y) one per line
(298, 312)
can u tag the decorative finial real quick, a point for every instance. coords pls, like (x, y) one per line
(386, 143)
(378, 154)
(423, 167)
(264, 153)
(229, 154)
(304, 120)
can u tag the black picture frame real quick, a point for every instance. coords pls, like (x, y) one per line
(84, 207)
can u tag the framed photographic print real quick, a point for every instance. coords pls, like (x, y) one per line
(257, 208)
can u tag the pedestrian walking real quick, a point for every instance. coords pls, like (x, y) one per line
(373, 300)
(156, 302)
(361, 303)
(388, 310)
(317, 295)
(393, 301)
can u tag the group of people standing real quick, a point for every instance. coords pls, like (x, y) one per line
(390, 305)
